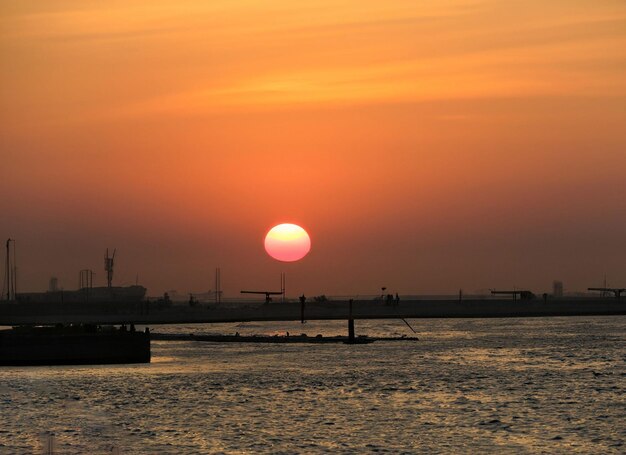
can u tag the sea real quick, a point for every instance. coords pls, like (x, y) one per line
(527, 385)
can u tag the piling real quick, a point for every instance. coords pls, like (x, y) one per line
(350, 324)
(351, 330)
(302, 301)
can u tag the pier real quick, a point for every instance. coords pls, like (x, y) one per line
(150, 312)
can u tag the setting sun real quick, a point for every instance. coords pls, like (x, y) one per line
(287, 242)
(460, 165)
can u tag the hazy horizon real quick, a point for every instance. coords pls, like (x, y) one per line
(424, 147)
(231, 285)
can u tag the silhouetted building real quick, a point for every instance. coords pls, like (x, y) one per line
(53, 285)
(557, 288)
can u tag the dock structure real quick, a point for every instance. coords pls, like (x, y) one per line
(128, 312)
(72, 345)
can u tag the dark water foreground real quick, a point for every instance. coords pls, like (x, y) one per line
(540, 385)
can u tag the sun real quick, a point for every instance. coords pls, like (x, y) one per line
(287, 242)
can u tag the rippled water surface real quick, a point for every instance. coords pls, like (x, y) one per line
(551, 385)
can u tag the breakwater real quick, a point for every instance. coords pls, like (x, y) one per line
(146, 312)
(278, 339)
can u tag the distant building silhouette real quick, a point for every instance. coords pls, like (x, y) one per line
(557, 288)
(53, 285)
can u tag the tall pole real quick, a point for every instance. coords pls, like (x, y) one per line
(8, 272)
(282, 284)
(350, 323)
(11, 270)
(14, 271)
(218, 285)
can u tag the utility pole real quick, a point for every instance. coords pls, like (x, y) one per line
(8, 271)
(282, 284)
(11, 271)
(218, 285)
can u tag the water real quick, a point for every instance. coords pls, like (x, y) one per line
(544, 385)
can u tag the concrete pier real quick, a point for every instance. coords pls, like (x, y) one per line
(72, 346)
(33, 313)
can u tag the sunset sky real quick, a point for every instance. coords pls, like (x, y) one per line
(426, 146)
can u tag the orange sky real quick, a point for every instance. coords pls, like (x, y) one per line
(426, 146)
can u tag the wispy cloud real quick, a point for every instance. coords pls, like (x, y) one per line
(193, 57)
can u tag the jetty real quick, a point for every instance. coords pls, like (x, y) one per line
(148, 312)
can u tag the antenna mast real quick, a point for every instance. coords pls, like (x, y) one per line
(108, 267)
